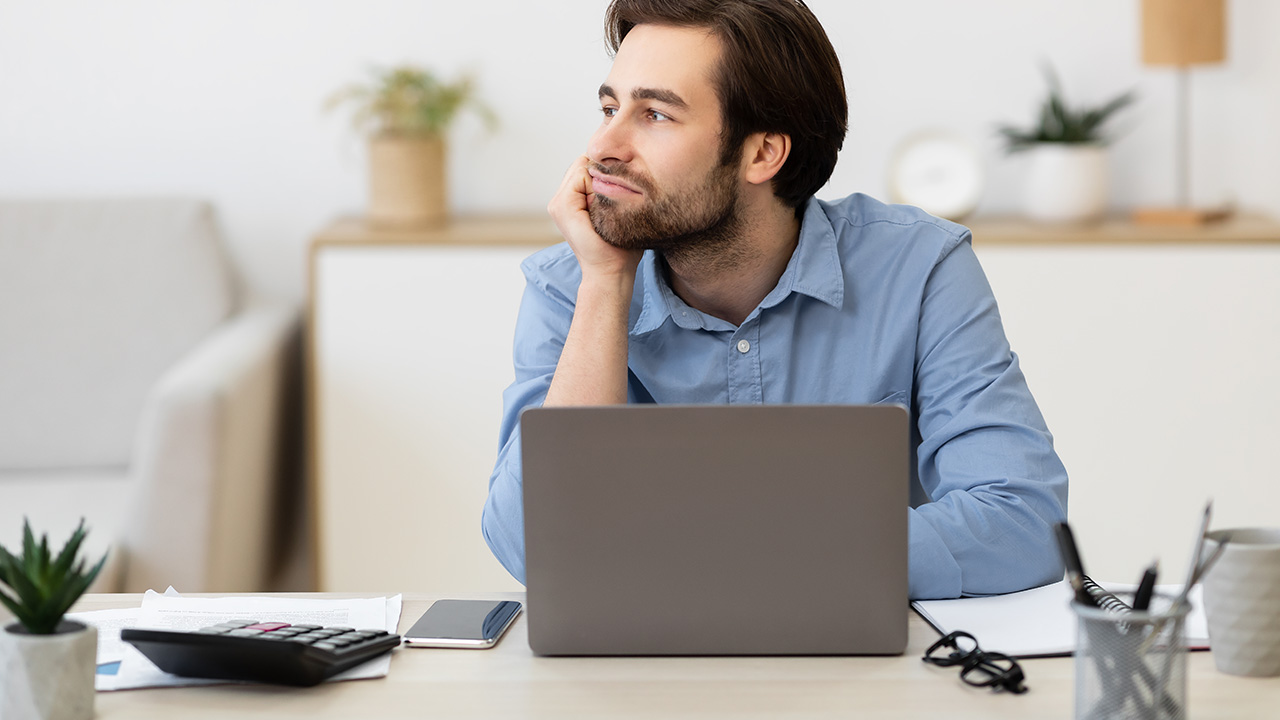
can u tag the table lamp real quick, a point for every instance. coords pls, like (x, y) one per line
(1182, 33)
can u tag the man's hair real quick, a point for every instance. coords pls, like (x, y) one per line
(777, 73)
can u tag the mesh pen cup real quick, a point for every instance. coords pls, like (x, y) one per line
(1132, 664)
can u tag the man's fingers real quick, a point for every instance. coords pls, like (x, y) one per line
(575, 190)
(576, 172)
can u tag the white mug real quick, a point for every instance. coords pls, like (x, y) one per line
(1242, 601)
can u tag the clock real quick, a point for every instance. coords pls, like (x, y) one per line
(938, 172)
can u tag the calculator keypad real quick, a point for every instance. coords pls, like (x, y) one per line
(334, 639)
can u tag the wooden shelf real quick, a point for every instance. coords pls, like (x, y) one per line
(1238, 230)
(466, 230)
(537, 230)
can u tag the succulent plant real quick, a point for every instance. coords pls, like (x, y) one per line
(43, 587)
(407, 100)
(1061, 124)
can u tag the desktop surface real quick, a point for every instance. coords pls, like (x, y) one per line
(510, 682)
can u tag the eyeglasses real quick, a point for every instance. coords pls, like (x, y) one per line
(977, 667)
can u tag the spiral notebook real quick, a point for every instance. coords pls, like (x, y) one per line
(1039, 622)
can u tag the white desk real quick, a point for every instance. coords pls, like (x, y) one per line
(509, 682)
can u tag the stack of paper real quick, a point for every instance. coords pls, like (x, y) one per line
(1037, 622)
(175, 612)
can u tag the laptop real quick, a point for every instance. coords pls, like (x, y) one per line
(716, 530)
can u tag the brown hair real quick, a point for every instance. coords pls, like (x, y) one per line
(778, 73)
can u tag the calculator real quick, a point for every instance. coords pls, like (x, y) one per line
(258, 651)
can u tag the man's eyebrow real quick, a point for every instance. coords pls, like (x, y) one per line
(662, 96)
(659, 94)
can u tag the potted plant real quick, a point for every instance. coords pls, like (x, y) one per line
(406, 113)
(1068, 172)
(47, 662)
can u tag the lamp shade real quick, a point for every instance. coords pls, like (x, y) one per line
(1184, 32)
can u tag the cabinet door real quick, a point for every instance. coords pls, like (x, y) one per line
(412, 353)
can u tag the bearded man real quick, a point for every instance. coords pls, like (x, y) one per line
(699, 267)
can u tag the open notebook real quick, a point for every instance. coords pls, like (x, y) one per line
(1037, 622)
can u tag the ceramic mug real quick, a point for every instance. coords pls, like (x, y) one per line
(1242, 601)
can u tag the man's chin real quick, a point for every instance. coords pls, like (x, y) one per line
(609, 223)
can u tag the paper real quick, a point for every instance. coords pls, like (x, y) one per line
(1037, 622)
(109, 624)
(173, 612)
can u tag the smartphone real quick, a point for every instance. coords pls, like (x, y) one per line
(462, 624)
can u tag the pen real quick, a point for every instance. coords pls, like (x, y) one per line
(1213, 558)
(1071, 558)
(1199, 545)
(1142, 598)
(1198, 568)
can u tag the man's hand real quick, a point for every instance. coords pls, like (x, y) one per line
(592, 369)
(569, 209)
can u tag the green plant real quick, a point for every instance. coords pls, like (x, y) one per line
(44, 587)
(1061, 124)
(407, 100)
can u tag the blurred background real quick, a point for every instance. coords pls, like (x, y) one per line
(223, 100)
(1155, 363)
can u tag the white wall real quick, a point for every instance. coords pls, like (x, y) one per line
(221, 99)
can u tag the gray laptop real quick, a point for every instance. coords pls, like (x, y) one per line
(716, 530)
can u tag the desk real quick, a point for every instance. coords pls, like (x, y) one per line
(509, 682)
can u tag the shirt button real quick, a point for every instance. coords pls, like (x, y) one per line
(743, 346)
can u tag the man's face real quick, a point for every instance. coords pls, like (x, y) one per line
(656, 158)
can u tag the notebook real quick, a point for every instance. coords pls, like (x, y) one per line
(716, 530)
(1037, 622)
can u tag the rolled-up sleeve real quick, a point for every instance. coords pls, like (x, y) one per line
(985, 458)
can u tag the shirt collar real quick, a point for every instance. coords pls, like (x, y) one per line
(814, 270)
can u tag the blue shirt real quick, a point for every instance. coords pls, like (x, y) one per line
(878, 304)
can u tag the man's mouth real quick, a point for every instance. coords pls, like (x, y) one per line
(610, 186)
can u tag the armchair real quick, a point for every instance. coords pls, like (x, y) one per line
(140, 390)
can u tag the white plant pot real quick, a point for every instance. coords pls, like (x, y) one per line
(1067, 183)
(48, 677)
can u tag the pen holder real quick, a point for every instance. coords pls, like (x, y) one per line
(1133, 664)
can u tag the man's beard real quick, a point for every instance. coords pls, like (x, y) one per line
(700, 225)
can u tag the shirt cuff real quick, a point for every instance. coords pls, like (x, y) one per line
(932, 573)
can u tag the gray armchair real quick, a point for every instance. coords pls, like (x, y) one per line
(139, 391)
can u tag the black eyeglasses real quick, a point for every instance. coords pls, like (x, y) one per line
(977, 667)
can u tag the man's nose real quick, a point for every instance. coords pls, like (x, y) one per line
(611, 143)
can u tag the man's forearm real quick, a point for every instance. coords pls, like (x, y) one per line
(592, 369)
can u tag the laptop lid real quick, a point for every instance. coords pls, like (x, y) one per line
(716, 530)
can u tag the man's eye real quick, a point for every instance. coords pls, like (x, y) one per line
(659, 117)
(609, 111)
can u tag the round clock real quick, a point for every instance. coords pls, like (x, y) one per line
(938, 172)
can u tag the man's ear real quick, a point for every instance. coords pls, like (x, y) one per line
(764, 155)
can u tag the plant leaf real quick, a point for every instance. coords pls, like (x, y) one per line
(17, 608)
(69, 551)
(29, 557)
(43, 589)
(407, 100)
(1057, 122)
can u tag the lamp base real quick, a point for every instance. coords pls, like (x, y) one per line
(1180, 216)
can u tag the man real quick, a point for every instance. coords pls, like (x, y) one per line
(699, 268)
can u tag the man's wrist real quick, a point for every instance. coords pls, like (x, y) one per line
(603, 284)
